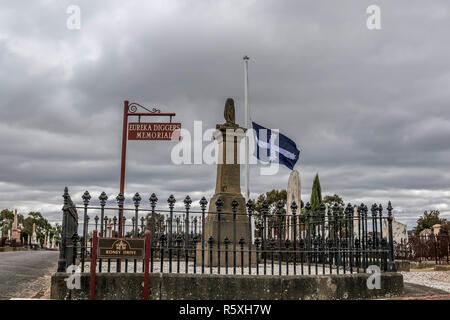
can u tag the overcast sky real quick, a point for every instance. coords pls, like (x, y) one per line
(369, 109)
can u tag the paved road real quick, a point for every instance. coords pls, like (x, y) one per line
(26, 273)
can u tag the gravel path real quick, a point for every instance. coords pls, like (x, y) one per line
(434, 279)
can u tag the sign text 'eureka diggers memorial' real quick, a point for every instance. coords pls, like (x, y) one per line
(153, 131)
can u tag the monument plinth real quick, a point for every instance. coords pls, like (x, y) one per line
(228, 188)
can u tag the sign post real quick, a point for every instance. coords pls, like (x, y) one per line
(93, 265)
(146, 263)
(143, 131)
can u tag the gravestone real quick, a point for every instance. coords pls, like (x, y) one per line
(49, 242)
(293, 194)
(33, 236)
(15, 230)
(399, 231)
(228, 188)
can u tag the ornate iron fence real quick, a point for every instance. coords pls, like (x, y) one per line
(424, 248)
(329, 241)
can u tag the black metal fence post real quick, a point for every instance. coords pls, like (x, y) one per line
(294, 220)
(250, 207)
(219, 204)
(62, 262)
(187, 205)
(171, 201)
(390, 218)
(264, 209)
(86, 197)
(153, 200)
(203, 204)
(234, 205)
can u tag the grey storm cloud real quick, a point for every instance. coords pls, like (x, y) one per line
(368, 109)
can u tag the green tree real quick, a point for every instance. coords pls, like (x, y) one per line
(272, 197)
(428, 220)
(334, 199)
(316, 194)
(6, 218)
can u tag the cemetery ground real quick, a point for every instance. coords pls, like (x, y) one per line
(26, 274)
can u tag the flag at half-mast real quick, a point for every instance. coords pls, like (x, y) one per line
(268, 149)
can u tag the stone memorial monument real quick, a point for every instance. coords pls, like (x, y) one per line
(15, 231)
(294, 191)
(49, 245)
(228, 188)
(34, 236)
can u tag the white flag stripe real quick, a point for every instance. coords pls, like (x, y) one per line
(276, 148)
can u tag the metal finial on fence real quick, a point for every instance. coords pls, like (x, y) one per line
(308, 208)
(374, 210)
(103, 197)
(86, 197)
(187, 202)
(250, 206)
(171, 201)
(203, 203)
(335, 209)
(153, 200)
(348, 210)
(360, 209)
(137, 199)
(365, 210)
(294, 207)
(280, 206)
(389, 209)
(322, 209)
(234, 204)
(120, 199)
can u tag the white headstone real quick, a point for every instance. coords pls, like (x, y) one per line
(34, 236)
(48, 242)
(399, 231)
(293, 194)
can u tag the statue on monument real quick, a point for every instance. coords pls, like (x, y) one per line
(229, 112)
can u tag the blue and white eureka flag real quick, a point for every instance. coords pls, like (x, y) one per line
(267, 149)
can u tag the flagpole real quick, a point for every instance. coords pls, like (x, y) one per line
(247, 125)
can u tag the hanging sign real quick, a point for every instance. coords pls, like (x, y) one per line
(154, 131)
(122, 248)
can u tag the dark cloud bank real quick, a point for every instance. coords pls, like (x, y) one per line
(369, 109)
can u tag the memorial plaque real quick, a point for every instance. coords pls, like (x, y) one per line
(121, 248)
(153, 131)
